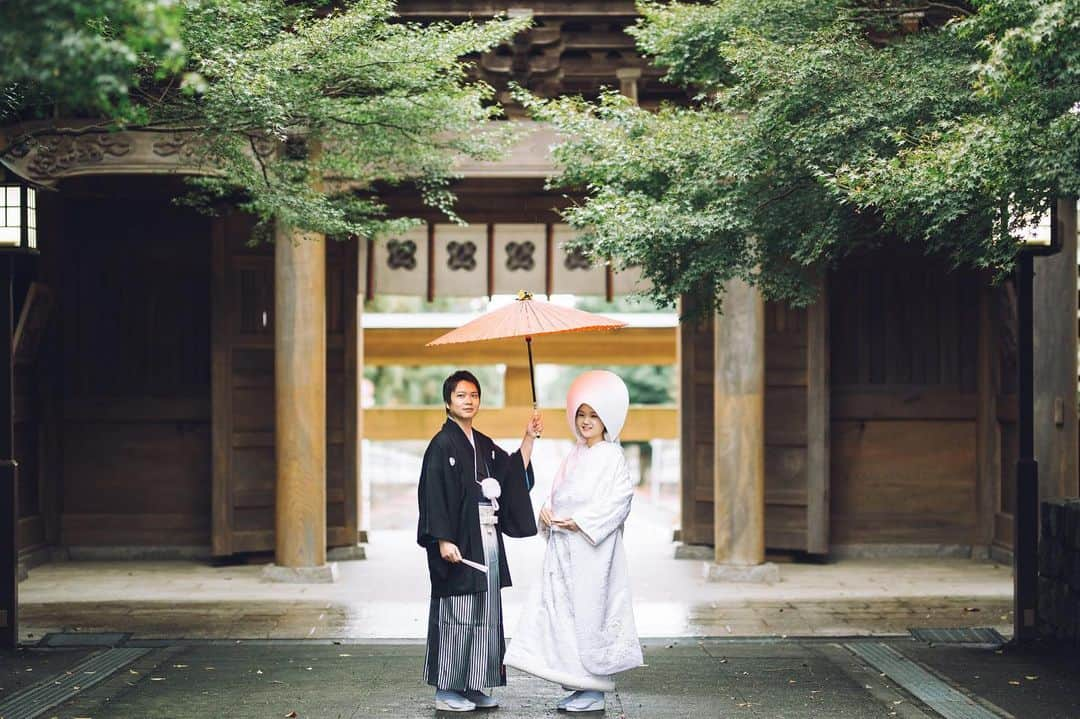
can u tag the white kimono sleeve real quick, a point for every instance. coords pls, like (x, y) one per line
(610, 504)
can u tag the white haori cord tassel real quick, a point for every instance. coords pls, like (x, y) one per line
(491, 490)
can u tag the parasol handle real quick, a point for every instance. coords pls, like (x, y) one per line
(532, 378)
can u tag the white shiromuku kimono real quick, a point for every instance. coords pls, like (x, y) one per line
(577, 627)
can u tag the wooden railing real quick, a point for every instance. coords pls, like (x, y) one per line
(396, 423)
(628, 346)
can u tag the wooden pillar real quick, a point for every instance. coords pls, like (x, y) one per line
(739, 475)
(628, 81)
(1055, 296)
(9, 470)
(300, 407)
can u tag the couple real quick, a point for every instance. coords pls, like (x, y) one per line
(577, 628)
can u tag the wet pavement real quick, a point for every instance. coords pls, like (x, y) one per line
(386, 596)
(220, 641)
(761, 678)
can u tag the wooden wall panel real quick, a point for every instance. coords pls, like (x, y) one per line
(785, 427)
(695, 348)
(903, 323)
(133, 305)
(904, 482)
(904, 399)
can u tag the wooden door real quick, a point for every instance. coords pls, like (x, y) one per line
(243, 393)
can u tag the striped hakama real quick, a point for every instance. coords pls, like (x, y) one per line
(465, 641)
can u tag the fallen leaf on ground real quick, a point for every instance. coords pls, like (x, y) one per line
(1030, 677)
(1014, 682)
(972, 609)
(290, 715)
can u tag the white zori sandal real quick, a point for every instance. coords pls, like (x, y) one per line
(589, 701)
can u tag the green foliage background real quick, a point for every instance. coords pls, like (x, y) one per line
(820, 129)
(297, 109)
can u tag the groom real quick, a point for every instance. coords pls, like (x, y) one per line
(471, 493)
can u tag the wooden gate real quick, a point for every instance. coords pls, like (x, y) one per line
(243, 392)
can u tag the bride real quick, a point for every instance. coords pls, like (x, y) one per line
(577, 628)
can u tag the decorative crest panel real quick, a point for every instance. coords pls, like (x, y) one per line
(460, 261)
(520, 258)
(400, 263)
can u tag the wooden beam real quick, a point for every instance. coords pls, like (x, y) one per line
(888, 403)
(355, 273)
(397, 423)
(987, 429)
(628, 346)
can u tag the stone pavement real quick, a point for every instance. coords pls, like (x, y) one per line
(704, 678)
(385, 596)
(221, 642)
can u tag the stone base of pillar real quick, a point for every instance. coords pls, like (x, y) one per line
(694, 551)
(344, 554)
(767, 573)
(323, 574)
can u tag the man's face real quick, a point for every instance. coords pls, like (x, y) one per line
(464, 401)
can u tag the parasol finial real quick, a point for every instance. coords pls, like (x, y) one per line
(524, 295)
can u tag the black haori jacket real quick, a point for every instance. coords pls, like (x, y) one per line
(448, 496)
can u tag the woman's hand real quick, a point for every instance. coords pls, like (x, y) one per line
(545, 516)
(449, 551)
(568, 524)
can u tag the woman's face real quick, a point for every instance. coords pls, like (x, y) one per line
(589, 425)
